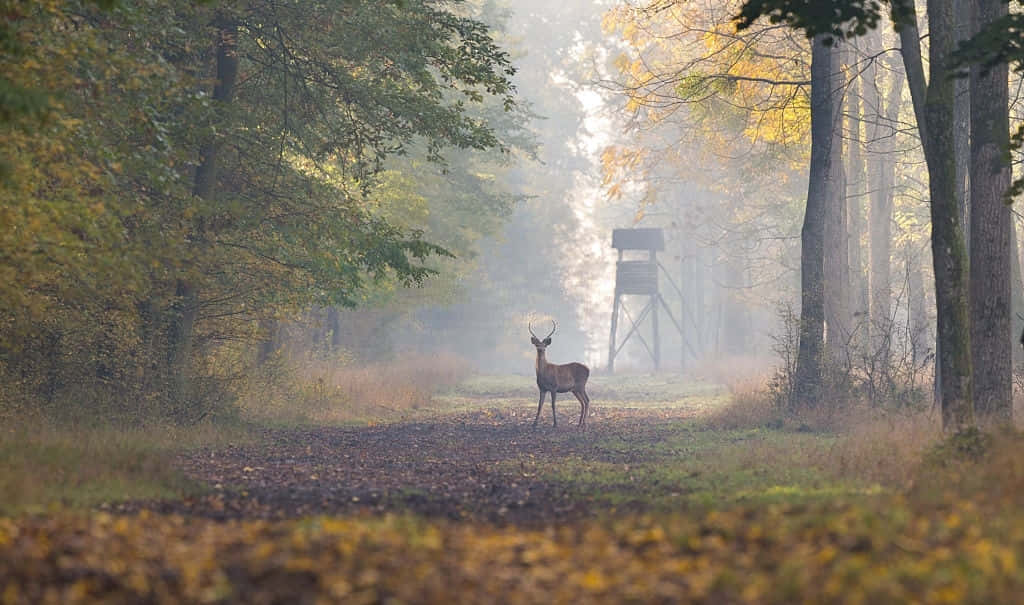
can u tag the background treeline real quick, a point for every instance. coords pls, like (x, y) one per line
(800, 146)
(187, 187)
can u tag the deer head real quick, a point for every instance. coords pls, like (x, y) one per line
(541, 343)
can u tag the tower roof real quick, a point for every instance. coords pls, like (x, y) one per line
(638, 239)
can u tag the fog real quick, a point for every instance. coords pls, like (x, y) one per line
(495, 301)
(724, 277)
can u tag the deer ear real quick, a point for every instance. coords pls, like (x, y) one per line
(534, 340)
(547, 341)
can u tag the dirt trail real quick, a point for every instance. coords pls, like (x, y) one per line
(465, 466)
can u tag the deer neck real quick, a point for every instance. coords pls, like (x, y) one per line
(542, 363)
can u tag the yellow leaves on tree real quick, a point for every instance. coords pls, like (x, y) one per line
(720, 117)
(63, 198)
(689, 54)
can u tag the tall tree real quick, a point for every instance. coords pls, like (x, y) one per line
(838, 313)
(186, 307)
(934, 108)
(809, 379)
(882, 92)
(933, 100)
(991, 280)
(323, 104)
(856, 191)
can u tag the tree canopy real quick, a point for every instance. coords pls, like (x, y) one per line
(237, 149)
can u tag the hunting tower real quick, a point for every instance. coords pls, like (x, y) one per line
(639, 278)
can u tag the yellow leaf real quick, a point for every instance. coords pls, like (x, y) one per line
(594, 581)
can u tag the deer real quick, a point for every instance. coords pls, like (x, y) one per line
(559, 378)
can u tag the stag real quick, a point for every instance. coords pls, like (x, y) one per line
(559, 378)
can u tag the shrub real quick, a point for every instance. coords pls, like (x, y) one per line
(337, 389)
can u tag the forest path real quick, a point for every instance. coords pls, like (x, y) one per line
(657, 501)
(468, 465)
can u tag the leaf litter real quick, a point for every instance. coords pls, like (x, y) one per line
(433, 512)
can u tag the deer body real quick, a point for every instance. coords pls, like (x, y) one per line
(560, 378)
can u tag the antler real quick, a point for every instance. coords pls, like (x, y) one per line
(554, 326)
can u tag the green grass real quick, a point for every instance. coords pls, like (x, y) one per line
(679, 463)
(355, 397)
(45, 466)
(636, 388)
(673, 459)
(663, 457)
(518, 394)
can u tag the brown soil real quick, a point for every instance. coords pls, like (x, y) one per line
(474, 466)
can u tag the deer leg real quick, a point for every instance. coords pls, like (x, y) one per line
(554, 417)
(540, 406)
(583, 408)
(586, 400)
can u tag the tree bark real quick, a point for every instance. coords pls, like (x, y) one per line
(917, 309)
(185, 311)
(857, 192)
(838, 318)
(882, 114)
(809, 382)
(334, 327)
(962, 121)
(990, 223)
(1017, 299)
(933, 106)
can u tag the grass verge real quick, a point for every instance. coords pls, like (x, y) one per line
(46, 466)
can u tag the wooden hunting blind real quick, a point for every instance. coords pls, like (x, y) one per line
(638, 277)
(638, 239)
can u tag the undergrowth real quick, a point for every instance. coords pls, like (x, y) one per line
(46, 465)
(311, 390)
(61, 461)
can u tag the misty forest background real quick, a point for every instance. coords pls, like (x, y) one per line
(269, 271)
(203, 202)
(201, 198)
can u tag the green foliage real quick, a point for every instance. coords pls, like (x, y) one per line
(842, 20)
(100, 222)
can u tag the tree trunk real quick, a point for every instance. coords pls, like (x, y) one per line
(698, 296)
(990, 221)
(270, 340)
(962, 121)
(881, 116)
(334, 328)
(837, 254)
(857, 191)
(917, 309)
(183, 320)
(808, 381)
(1017, 298)
(186, 308)
(933, 106)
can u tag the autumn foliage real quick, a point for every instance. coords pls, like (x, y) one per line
(755, 516)
(887, 552)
